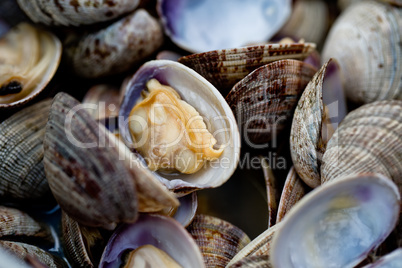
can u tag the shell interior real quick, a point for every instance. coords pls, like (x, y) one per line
(336, 225)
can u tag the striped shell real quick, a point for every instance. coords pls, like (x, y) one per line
(22, 175)
(224, 68)
(217, 239)
(264, 101)
(366, 40)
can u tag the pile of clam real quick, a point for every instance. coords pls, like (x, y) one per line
(129, 132)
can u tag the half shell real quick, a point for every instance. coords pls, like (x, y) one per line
(200, 94)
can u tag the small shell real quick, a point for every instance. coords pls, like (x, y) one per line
(104, 101)
(224, 68)
(93, 176)
(29, 59)
(75, 12)
(293, 190)
(310, 131)
(117, 48)
(365, 40)
(259, 246)
(218, 240)
(368, 140)
(203, 26)
(159, 231)
(261, 261)
(21, 153)
(264, 100)
(23, 250)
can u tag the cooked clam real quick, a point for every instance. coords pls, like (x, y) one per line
(29, 58)
(211, 122)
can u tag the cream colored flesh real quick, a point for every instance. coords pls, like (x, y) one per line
(150, 256)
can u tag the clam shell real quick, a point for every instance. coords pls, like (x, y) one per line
(310, 131)
(368, 140)
(22, 251)
(91, 174)
(75, 12)
(264, 100)
(259, 246)
(391, 260)
(159, 231)
(22, 175)
(203, 26)
(337, 224)
(48, 43)
(117, 48)
(225, 67)
(218, 240)
(103, 100)
(8, 259)
(200, 94)
(261, 261)
(293, 190)
(368, 32)
(272, 191)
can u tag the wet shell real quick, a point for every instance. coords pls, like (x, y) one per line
(90, 173)
(252, 262)
(224, 68)
(218, 240)
(368, 140)
(264, 100)
(293, 190)
(23, 250)
(259, 246)
(29, 58)
(117, 48)
(368, 32)
(75, 12)
(310, 129)
(22, 176)
(15, 224)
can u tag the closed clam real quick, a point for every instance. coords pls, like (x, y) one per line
(29, 58)
(203, 26)
(225, 67)
(365, 40)
(337, 224)
(116, 48)
(217, 239)
(22, 175)
(94, 177)
(318, 112)
(166, 129)
(264, 101)
(76, 12)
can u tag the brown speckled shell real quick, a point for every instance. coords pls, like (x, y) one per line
(22, 176)
(75, 12)
(366, 40)
(306, 144)
(22, 250)
(265, 99)
(115, 49)
(224, 68)
(369, 139)
(218, 240)
(259, 246)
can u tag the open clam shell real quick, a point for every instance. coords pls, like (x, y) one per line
(365, 39)
(29, 58)
(264, 101)
(159, 231)
(22, 175)
(225, 67)
(318, 112)
(200, 94)
(337, 224)
(203, 26)
(75, 12)
(93, 176)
